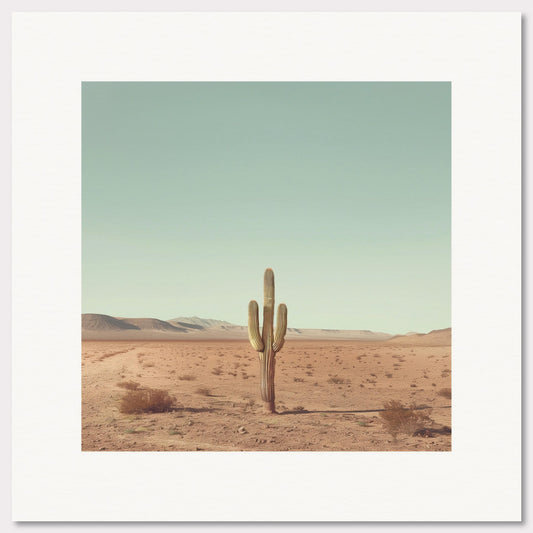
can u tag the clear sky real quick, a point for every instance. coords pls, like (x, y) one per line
(191, 190)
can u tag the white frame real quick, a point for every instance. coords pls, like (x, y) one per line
(480, 479)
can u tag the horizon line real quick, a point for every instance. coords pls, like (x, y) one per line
(120, 317)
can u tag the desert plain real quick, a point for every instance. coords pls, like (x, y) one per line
(330, 395)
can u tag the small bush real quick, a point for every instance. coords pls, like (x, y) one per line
(146, 401)
(399, 419)
(447, 393)
(187, 377)
(130, 385)
(336, 380)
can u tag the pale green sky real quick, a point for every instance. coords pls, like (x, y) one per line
(191, 190)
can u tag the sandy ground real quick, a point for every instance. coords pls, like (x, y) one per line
(329, 395)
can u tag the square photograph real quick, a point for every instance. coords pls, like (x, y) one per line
(266, 266)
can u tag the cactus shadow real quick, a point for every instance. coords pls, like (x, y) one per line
(354, 411)
(194, 409)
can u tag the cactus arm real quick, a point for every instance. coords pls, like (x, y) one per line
(281, 328)
(253, 327)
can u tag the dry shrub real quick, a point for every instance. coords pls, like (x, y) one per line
(336, 380)
(250, 402)
(130, 385)
(399, 419)
(187, 377)
(447, 393)
(146, 401)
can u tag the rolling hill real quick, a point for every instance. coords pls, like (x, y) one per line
(105, 327)
(437, 337)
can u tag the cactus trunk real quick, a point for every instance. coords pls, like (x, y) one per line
(268, 343)
(268, 363)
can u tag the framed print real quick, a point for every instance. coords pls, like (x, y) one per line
(294, 242)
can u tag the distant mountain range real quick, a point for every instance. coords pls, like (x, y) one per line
(105, 327)
(437, 337)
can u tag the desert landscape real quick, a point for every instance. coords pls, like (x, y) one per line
(335, 390)
(354, 179)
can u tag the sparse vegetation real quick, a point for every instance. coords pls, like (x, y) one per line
(130, 385)
(137, 430)
(146, 401)
(400, 419)
(336, 379)
(446, 393)
(342, 394)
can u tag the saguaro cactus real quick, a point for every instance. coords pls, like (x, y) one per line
(268, 343)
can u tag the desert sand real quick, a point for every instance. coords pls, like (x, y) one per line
(330, 395)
